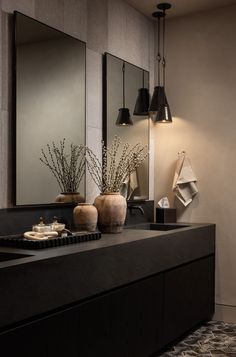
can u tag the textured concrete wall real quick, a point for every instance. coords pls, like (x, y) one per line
(201, 77)
(107, 26)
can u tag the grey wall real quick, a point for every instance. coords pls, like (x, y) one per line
(201, 77)
(107, 26)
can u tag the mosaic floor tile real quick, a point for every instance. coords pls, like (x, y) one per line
(214, 339)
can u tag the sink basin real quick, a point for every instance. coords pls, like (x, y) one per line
(166, 227)
(158, 226)
(4, 256)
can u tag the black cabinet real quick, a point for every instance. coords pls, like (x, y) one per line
(131, 321)
(55, 335)
(125, 322)
(26, 340)
(188, 297)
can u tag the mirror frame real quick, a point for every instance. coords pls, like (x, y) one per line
(14, 118)
(104, 111)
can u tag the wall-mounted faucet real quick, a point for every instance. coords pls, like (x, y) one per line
(138, 208)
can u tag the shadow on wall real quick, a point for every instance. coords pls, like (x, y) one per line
(186, 211)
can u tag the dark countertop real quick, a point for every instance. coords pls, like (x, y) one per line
(128, 236)
(52, 278)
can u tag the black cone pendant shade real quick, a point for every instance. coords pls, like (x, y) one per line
(142, 102)
(158, 98)
(163, 115)
(159, 103)
(124, 117)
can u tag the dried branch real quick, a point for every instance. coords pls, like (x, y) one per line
(68, 169)
(114, 169)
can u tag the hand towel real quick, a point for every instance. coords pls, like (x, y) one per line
(129, 185)
(184, 184)
(133, 182)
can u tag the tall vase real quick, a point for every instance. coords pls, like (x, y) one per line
(111, 208)
(85, 217)
(70, 197)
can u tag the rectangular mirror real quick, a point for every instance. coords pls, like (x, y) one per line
(49, 96)
(138, 187)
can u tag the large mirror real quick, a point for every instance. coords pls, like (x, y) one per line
(135, 78)
(49, 95)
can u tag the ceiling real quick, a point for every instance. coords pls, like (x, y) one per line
(179, 7)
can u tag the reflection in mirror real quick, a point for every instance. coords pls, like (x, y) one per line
(50, 104)
(138, 185)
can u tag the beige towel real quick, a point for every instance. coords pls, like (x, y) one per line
(184, 184)
(133, 182)
(129, 185)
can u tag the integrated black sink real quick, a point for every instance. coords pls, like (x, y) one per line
(166, 227)
(158, 226)
(4, 256)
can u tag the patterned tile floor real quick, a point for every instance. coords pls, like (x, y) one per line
(214, 339)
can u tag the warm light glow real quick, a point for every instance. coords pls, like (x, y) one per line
(175, 119)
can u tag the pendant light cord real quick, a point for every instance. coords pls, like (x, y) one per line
(158, 51)
(123, 69)
(163, 50)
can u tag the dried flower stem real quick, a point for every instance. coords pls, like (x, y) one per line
(114, 169)
(67, 169)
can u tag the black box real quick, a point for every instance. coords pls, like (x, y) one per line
(165, 215)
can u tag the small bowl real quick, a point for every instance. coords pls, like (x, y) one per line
(58, 227)
(41, 228)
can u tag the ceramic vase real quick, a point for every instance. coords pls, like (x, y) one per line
(70, 197)
(111, 208)
(85, 217)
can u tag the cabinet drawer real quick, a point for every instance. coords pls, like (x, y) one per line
(125, 322)
(188, 296)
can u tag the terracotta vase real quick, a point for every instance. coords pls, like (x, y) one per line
(85, 217)
(111, 208)
(70, 197)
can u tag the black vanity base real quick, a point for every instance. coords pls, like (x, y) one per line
(136, 320)
(157, 289)
(133, 321)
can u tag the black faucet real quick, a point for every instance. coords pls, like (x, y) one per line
(138, 208)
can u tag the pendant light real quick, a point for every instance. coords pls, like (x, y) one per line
(160, 102)
(124, 118)
(158, 96)
(142, 102)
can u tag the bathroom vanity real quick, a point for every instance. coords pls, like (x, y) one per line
(125, 295)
